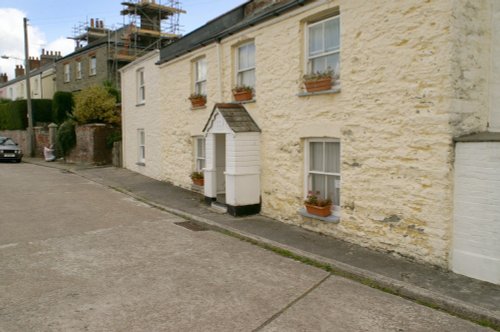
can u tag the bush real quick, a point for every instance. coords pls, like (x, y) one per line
(95, 105)
(114, 136)
(66, 137)
(13, 115)
(62, 106)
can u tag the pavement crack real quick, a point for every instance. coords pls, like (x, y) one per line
(279, 313)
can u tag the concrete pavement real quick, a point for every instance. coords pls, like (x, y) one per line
(482, 299)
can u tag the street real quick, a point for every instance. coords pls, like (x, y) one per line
(78, 256)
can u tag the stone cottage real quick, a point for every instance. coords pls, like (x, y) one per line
(389, 141)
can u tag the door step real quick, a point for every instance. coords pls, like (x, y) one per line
(219, 207)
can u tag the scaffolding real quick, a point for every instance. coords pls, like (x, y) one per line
(147, 25)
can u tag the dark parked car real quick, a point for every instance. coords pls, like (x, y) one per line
(9, 150)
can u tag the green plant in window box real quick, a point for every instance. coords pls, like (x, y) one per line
(242, 92)
(198, 99)
(317, 205)
(318, 81)
(198, 178)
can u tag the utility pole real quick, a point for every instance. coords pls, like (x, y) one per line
(31, 137)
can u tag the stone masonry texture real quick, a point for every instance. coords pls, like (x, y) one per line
(412, 79)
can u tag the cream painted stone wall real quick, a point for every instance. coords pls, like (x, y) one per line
(471, 64)
(406, 90)
(147, 116)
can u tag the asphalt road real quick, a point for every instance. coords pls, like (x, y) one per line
(77, 256)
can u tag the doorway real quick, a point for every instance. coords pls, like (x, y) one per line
(220, 167)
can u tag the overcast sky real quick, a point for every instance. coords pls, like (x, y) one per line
(52, 21)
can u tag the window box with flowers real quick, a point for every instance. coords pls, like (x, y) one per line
(242, 93)
(198, 178)
(319, 81)
(198, 100)
(317, 205)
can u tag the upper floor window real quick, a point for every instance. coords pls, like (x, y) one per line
(141, 86)
(67, 72)
(79, 70)
(323, 40)
(200, 79)
(246, 65)
(93, 66)
(323, 169)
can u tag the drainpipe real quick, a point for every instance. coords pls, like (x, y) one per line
(219, 59)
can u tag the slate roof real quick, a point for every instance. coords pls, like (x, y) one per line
(236, 116)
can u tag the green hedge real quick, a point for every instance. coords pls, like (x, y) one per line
(62, 106)
(13, 115)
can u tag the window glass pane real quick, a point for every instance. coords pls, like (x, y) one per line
(316, 39)
(332, 36)
(247, 78)
(333, 189)
(200, 147)
(251, 55)
(242, 58)
(316, 156)
(318, 65)
(318, 184)
(201, 70)
(332, 63)
(200, 87)
(332, 152)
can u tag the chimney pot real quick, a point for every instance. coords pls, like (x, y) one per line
(91, 22)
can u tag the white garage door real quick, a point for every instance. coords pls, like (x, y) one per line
(476, 234)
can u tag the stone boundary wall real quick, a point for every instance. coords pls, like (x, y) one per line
(91, 145)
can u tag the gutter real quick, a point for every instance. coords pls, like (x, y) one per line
(228, 32)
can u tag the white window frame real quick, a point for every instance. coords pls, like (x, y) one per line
(242, 70)
(141, 146)
(307, 165)
(36, 86)
(78, 70)
(200, 161)
(67, 73)
(140, 86)
(308, 63)
(200, 80)
(93, 65)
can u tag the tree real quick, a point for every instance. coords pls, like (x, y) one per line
(96, 105)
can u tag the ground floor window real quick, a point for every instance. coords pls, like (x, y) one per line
(141, 138)
(200, 153)
(323, 168)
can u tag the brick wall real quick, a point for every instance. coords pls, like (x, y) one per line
(91, 145)
(21, 138)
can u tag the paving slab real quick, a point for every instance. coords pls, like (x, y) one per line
(461, 295)
(370, 310)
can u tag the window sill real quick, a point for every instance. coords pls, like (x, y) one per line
(331, 219)
(140, 163)
(198, 108)
(140, 104)
(333, 90)
(245, 101)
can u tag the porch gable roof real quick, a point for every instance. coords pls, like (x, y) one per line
(236, 117)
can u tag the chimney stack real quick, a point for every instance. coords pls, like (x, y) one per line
(91, 22)
(48, 57)
(3, 78)
(19, 70)
(34, 63)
